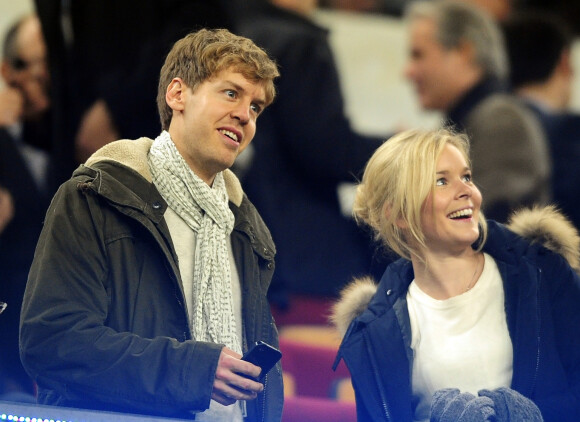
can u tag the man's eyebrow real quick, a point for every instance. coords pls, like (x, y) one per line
(260, 101)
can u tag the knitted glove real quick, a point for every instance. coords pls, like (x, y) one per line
(449, 405)
(511, 406)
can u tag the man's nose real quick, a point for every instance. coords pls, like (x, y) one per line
(242, 112)
(409, 71)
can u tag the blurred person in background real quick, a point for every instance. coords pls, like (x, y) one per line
(104, 56)
(6, 208)
(458, 65)
(565, 9)
(305, 147)
(25, 140)
(539, 46)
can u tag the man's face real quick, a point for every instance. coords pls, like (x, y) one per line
(217, 122)
(431, 68)
(30, 74)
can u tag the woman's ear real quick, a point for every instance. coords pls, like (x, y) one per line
(175, 94)
(400, 221)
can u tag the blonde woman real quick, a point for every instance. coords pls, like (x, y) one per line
(474, 322)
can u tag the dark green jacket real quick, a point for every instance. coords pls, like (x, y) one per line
(104, 322)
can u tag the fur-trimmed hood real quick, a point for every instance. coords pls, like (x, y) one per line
(133, 154)
(545, 225)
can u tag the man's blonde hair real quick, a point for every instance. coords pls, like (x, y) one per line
(201, 55)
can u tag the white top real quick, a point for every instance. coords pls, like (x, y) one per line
(461, 342)
(184, 241)
(36, 159)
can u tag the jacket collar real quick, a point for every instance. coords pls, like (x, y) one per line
(457, 115)
(133, 154)
(119, 171)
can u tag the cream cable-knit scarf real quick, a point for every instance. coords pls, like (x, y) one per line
(205, 209)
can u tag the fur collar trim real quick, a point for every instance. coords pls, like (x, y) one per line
(539, 224)
(551, 228)
(133, 154)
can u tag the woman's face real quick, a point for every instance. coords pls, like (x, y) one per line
(449, 216)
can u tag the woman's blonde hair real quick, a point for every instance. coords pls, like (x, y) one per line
(397, 180)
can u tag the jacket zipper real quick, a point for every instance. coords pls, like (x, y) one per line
(377, 377)
(538, 333)
(264, 399)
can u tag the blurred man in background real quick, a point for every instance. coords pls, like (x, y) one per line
(541, 73)
(305, 147)
(458, 65)
(24, 173)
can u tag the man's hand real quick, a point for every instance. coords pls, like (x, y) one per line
(229, 385)
(11, 106)
(6, 208)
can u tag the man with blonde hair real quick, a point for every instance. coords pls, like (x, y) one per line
(151, 272)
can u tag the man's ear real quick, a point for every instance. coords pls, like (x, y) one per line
(466, 50)
(175, 94)
(565, 63)
(7, 72)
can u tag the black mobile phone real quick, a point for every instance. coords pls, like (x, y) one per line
(263, 355)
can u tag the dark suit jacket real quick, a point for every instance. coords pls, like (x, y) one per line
(563, 133)
(304, 147)
(17, 244)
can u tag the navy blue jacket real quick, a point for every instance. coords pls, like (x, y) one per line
(563, 133)
(542, 297)
(17, 244)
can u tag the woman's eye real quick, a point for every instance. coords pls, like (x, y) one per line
(440, 182)
(231, 93)
(467, 178)
(256, 108)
